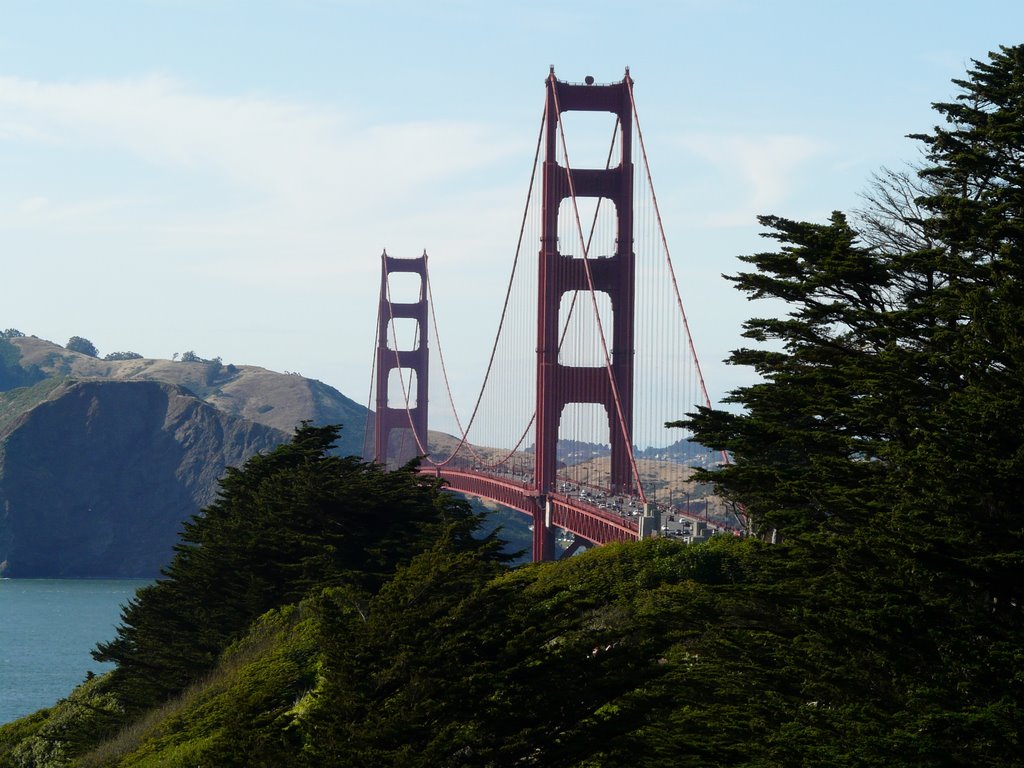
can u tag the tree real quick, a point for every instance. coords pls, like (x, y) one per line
(296, 519)
(82, 346)
(122, 356)
(892, 221)
(884, 442)
(808, 448)
(567, 664)
(12, 373)
(976, 169)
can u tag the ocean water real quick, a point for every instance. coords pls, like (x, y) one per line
(47, 629)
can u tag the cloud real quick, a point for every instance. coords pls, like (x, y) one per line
(293, 162)
(261, 213)
(13, 130)
(33, 205)
(760, 171)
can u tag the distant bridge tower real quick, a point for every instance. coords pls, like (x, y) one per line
(398, 432)
(559, 384)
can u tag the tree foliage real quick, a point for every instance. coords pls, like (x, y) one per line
(292, 520)
(191, 357)
(884, 442)
(556, 665)
(12, 373)
(82, 346)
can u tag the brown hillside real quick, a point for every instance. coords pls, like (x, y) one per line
(277, 400)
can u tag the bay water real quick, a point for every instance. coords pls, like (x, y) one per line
(47, 629)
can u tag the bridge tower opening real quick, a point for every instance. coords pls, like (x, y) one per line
(562, 383)
(400, 432)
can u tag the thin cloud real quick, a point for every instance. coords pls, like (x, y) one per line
(762, 172)
(302, 161)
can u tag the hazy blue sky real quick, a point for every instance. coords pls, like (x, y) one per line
(221, 176)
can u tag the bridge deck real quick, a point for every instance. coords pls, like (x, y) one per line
(573, 514)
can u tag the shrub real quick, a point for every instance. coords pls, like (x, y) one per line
(82, 346)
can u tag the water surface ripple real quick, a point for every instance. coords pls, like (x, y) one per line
(47, 629)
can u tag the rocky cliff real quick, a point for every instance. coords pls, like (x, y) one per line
(98, 475)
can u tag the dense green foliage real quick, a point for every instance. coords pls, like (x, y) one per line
(12, 374)
(82, 345)
(885, 441)
(451, 664)
(295, 519)
(607, 658)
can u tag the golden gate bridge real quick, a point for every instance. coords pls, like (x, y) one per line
(592, 355)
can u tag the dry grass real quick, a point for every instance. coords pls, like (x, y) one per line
(278, 400)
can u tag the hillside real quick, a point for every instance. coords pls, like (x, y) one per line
(325, 612)
(101, 461)
(97, 476)
(278, 400)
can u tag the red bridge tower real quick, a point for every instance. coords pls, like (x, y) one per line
(559, 384)
(409, 426)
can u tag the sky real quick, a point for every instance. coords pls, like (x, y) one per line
(221, 176)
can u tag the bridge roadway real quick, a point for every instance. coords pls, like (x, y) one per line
(571, 513)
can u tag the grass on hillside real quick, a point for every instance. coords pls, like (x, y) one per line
(15, 402)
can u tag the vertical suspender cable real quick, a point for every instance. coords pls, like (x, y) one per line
(463, 439)
(661, 230)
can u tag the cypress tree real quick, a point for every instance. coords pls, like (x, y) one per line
(294, 520)
(884, 443)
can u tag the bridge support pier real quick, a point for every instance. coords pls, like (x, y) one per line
(543, 531)
(650, 524)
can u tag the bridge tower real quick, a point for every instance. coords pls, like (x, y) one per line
(559, 384)
(399, 431)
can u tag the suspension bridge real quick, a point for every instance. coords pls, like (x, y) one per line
(591, 356)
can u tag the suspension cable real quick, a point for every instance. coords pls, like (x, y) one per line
(451, 400)
(668, 257)
(368, 452)
(463, 439)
